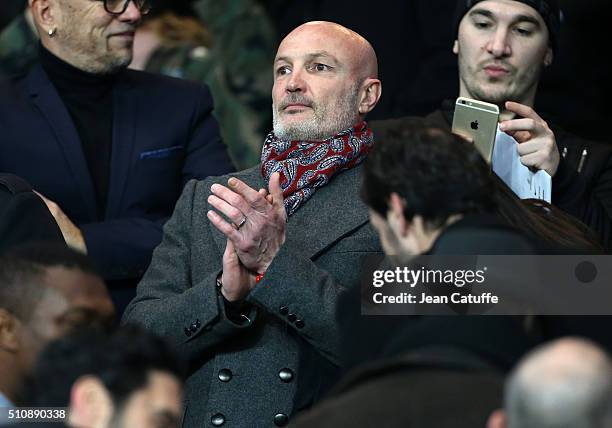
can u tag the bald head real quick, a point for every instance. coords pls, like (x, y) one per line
(557, 361)
(356, 50)
(325, 81)
(567, 383)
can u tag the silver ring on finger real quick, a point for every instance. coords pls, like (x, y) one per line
(239, 225)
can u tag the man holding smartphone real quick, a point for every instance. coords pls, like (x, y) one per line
(502, 48)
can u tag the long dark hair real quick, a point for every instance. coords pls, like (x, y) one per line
(543, 221)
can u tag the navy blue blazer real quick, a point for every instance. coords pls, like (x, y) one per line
(164, 134)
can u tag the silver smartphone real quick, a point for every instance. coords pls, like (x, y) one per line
(478, 121)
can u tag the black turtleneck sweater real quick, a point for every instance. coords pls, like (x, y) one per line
(89, 100)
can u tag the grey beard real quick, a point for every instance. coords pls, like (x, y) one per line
(324, 124)
(304, 131)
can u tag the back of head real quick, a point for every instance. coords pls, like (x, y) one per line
(436, 173)
(565, 384)
(122, 362)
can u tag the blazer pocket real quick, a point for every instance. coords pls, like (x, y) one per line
(161, 153)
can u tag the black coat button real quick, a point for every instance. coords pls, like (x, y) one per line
(225, 375)
(193, 327)
(281, 419)
(188, 332)
(284, 310)
(198, 324)
(218, 419)
(299, 323)
(286, 375)
(292, 317)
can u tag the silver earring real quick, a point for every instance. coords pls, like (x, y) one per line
(52, 32)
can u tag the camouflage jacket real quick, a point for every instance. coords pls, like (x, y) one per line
(18, 47)
(238, 70)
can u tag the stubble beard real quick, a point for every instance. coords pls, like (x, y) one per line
(91, 56)
(517, 90)
(325, 122)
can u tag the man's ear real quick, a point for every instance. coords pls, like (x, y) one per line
(396, 206)
(548, 59)
(456, 47)
(370, 94)
(90, 403)
(497, 419)
(43, 15)
(9, 340)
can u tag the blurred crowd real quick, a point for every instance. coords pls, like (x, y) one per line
(187, 189)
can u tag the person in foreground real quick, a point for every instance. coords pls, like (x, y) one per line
(429, 192)
(565, 383)
(46, 291)
(245, 282)
(128, 379)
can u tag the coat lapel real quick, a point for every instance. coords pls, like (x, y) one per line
(47, 100)
(333, 212)
(124, 128)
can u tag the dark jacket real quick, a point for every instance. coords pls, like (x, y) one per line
(441, 388)
(257, 373)
(433, 358)
(580, 188)
(164, 134)
(24, 217)
(366, 338)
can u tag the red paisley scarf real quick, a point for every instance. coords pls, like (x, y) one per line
(307, 165)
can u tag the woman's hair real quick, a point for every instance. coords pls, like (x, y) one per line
(544, 221)
(174, 29)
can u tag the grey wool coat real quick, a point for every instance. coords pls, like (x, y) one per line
(260, 372)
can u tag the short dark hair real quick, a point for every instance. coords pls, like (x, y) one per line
(22, 270)
(54, 255)
(435, 172)
(122, 361)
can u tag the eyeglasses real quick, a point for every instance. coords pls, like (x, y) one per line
(118, 7)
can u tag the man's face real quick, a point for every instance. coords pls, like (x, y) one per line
(41, 328)
(89, 304)
(91, 39)
(316, 86)
(72, 299)
(157, 405)
(502, 47)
